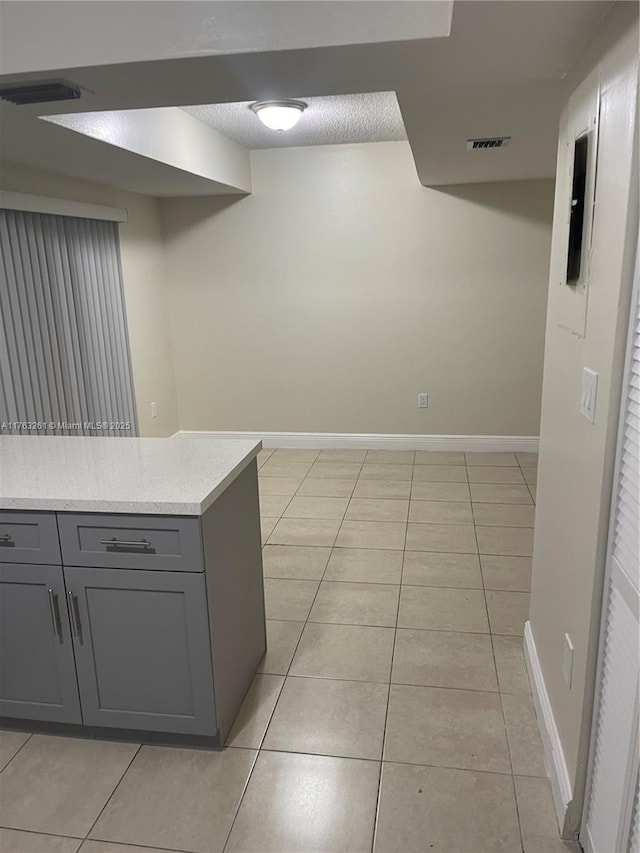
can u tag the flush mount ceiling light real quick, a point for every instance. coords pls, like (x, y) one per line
(279, 115)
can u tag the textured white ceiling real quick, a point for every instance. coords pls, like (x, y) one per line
(330, 120)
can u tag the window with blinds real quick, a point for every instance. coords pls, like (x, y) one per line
(612, 819)
(64, 349)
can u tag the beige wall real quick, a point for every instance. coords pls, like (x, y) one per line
(144, 278)
(576, 457)
(341, 288)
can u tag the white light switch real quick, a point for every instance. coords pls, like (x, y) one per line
(423, 401)
(154, 410)
(589, 392)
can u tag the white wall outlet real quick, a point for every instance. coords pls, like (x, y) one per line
(567, 660)
(423, 401)
(589, 392)
(154, 410)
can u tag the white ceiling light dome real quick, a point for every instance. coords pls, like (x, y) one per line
(279, 115)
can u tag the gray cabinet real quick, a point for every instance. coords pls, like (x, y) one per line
(37, 671)
(151, 623)
(142, 650)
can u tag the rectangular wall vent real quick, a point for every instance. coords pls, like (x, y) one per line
(39, 91)
(492, 142)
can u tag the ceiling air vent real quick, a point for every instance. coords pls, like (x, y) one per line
(491, 142)
(39, 91)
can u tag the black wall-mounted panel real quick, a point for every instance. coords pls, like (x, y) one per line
(578, 192)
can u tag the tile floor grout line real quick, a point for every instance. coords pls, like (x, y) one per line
(84, 841)
(258, 749)
(362, 464)
(286, 674)
(288, 503)
(306, 622)
(271, 715)
(501, 773)
(378, 681)
(117, 785)
(527, 483)
(401, 683)
(396, 550)
(43, 832)
(374, 828)
(504, 721)
(495, 666)
(410, 483)
(288, 752)
(386, 714)
(402, 627)
(281, 751)
(19, 750)
(391, 583)
(242, 795)
(515, 800)
(467, 769)
(513, 781)
(486, 607)
(126, 844)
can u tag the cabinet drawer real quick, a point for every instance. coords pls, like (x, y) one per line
(29, 537)
(154, 542)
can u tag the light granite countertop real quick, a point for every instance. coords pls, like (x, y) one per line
(163, 476)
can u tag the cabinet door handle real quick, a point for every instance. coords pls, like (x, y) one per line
(55, 613)
(124, 543)
(75, 613)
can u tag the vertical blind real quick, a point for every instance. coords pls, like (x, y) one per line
(611, 814)
(64, 352)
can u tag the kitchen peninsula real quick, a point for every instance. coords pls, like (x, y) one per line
(131, 592)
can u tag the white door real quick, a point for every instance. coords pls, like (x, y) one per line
(612, 823)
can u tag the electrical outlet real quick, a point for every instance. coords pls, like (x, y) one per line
(154, 410)
(567, 660)
(423, 401)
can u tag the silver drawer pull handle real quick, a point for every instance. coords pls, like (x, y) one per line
(55, 613)
(5, 537)
(74, 613)
(123, 543)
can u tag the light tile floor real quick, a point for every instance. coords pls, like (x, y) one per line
(392, 710)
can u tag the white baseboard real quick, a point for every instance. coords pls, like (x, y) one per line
(382, 441)
(553, 752)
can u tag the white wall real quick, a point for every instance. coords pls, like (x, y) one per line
(69, 36)
(144, 280)
(341, 288)
(576, 457)
(169, 136)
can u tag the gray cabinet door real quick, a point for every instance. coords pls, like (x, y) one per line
(37, 671)
(142, 650)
